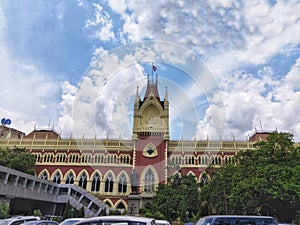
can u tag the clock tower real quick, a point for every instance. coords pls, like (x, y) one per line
(150, 136)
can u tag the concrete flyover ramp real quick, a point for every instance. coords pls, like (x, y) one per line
(26, 192)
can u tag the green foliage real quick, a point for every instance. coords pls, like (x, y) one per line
(37, 212)
(4, 209)
(171, 202)
(18, 159)
(264, 182)
(81, 212)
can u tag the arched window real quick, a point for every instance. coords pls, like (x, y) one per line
(149, 181)
(82, 180)
(122, 186)
(96, 182)
(44, 175)
(109, 183)
(70, 178)
(57, 178)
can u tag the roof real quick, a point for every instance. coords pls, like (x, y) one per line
(120, 218)
(260, 136)
(42, 134)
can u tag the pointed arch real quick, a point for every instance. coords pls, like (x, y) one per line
(82, 179)
(192, 173)
(121, 204)
(150, 150)
(56, 176)
(44, 174)
(70, 177)
(122, 179)
(149, 179)
(108, 202)
(204, 178)
(109, 181)
(96, 181)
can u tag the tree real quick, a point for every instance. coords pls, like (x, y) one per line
(173, 201)
(4, 209)
(265, 181)
(18, 159)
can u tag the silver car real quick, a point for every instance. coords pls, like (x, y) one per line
(117, 220)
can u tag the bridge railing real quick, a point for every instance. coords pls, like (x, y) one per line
(21, 185)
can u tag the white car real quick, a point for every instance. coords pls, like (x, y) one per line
(18, 220)
(71, 221)
(162, 222)
(118, 220)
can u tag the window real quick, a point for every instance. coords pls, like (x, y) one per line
(44, 175)
(70, 178)
(57, 178)
(82, 180)
(99, 158)
(61, 158)
(149, 181)
(86, 158)
(96, 182)
(122, 186)
(48, 157)
(73, 158)
(109, 183)
(222, 221)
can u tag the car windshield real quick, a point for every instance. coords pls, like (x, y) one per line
(70, 221)
(204, 221)
(31, 223)
(5, 222)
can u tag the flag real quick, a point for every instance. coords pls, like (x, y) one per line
(154, 68)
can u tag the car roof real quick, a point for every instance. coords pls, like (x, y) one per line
(237, 216)
(120, 218)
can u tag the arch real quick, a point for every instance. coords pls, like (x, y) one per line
(44, 174)
(149, 179)
(189, 160)
(70, 177)
(154, 106)
(86, 158)
(124, 159)
(38, 157)
(192, 173)
(108, 202)
(150, 150)
(123, 180)
(99, 158)
(204, 178)
(56, 176)
(61, 158)
(96, 181)
(48, 157)
(109, 181)
(121, 204)
(82, 179)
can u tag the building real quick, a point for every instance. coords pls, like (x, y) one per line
(112, 169)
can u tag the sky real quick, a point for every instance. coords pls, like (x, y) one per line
(230, 67)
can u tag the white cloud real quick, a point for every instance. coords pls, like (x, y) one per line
(27, 92)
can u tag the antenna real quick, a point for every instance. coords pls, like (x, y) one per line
(261, 128)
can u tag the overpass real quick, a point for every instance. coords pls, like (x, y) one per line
(25, 193)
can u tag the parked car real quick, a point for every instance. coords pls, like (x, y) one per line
(162, 222)
(41, 222)
(236, 220)
(118, 220)
(71, 221)
(18, 220)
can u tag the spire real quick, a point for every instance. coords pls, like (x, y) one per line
(152, 87)
(137, 97)
(166, 94)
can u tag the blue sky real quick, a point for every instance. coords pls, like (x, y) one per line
(230, 66)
